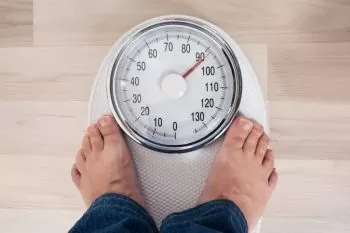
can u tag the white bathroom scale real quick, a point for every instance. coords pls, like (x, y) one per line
(174, 84)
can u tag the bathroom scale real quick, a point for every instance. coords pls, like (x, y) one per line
(174, 84)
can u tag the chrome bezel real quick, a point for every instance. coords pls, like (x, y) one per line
(231, 112)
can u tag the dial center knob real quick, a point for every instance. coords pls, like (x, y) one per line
(173, 85)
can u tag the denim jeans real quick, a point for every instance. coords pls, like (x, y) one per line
(114, 213)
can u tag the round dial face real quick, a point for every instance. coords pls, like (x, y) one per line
(174, 87)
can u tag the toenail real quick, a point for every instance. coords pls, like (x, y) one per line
(104, 121)
(245, 124)
(92, 129)
(259, 128)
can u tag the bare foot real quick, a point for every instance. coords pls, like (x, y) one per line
(104, 164)
(243, 170)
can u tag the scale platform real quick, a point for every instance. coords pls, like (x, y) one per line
(172, 183)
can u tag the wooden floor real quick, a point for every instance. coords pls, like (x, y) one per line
(50, 51)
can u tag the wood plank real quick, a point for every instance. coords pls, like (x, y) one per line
(16, 23)
(311, 189)
(305, 225)
(80, 22)
(316, 72)
(311, 196)
(42, 128)
(49, 74)
(310, 130)
(45, 181)
(38, 221)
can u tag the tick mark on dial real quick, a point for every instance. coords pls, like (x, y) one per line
(219, 67)
(157, 39)
(218, 108)
(198, 42)
(205, 125)
(175, 135)
(167, 37)
(222, 76)
(212, 117)
(147, 44)
(164, 134)
(214, 57)
(207, 49)
(125, 90)
(138, 51)
(195, 130)
(131, 59)
(124, 79)
(178, 36)
(189, 37)
(137, 118)
(154, 131)
(222, 98)
(126, 101)
(224, 87)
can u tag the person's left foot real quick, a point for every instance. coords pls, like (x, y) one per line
(104, 164)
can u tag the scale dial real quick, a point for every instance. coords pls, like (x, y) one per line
(175, 85)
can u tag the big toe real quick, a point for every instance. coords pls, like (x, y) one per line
(238, 132)
(109, 129)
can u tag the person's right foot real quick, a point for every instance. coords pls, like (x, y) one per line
(243, 171)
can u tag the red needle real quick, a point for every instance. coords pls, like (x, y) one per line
(190, 70)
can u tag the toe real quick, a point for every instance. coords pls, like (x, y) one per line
(251, 142)
(75, 174)
(262, 147)
(238, 132)
(86, 144)
(273, 179)
(80, 161)
(109, 129)
(95, 136)
(268, 162)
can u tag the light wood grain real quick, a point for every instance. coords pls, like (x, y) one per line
(310, 187)
(37, 220)
(49, 74)
(81, 22)
(304, 224)
(51, 50)
(312, 196)
(310, 130)
(45, 179)
(16, 23)
(47, 128)
(318, 72)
